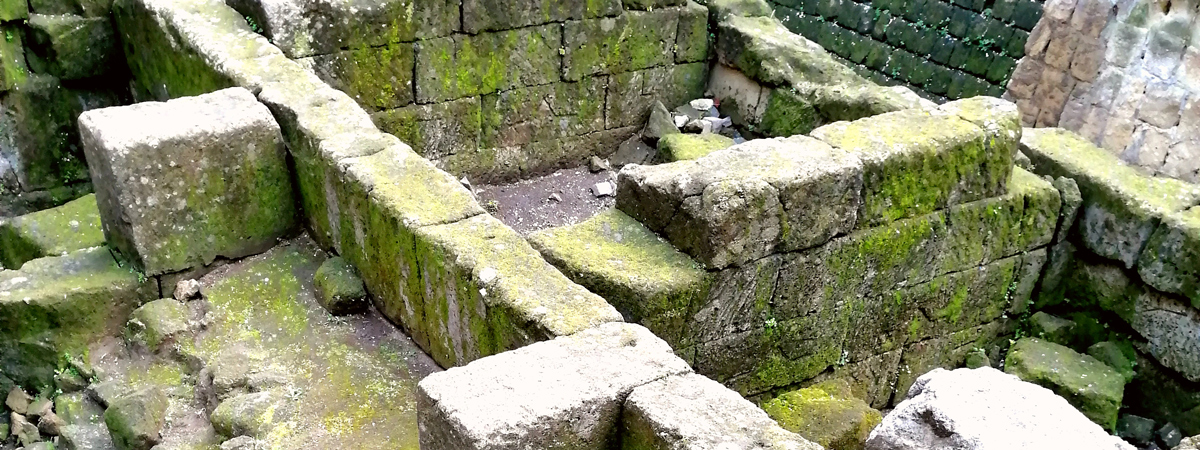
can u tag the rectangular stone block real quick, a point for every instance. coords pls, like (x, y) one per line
(634, 40)
(947, 352)
(12, 58)
(184, 182)
(436, 130)
(631, 94)
(691, 41)
(50, 232)
(1171, 260)
(486, 291)
(646, 279)
(567, 393)
(506, 164)
(693, 412)
(321, 179)
(542, 113)
(59, 305)
(493, 15)
(376, 77)
(11, 10)
(769, 53)
(72, 47)
(748, 201)
(467, 65)
(915, 162)
(315, 27)
(1121, 206)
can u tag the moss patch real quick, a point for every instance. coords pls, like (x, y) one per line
(1090, 385)
(825, 413)
(51, 232)
(682, 147)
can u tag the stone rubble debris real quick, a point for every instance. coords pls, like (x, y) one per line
(604, 189)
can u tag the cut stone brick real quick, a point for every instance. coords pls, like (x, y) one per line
(1171, 260)
(1122, 207)
(314, 27)
(566, 393)
(692, 412)
(1088, 384)
(51, 232)
(437, 130)
(72, 47)
(827, 413)
(916, 162)
(486, 291)
(684, 147)
(541, 113)
(645, 278)
(692, 39)
(61, 304)
(492, 15)
(635, 40)
(184, 182)
(745, 202)
(376, 77)
(631, 94)
(467, 65)
(1172, 331)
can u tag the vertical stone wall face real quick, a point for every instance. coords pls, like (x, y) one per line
(945, 49)
(1125, 76)
(501, 89)
(58, 58)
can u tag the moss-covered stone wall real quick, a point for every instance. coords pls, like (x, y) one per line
(945, 49)
(500, 90)
(58, 58)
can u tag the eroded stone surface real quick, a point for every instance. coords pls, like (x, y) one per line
(1171, 260)
(50, 232)
(184, 182)
(1091, 386)
(826, 413)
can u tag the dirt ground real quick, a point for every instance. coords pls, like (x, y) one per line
(561, 198)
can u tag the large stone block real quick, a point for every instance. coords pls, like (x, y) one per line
(376, 77)
(635, 40)
(46, 137)
(567, 393)
(12, 58)
(1121, 206)
(916, 162)
(826, 413)
(60, 305)
(13, 10)
(1090, 385)
(1171, 260)
(743, 203)
(492, 15)
(692, 39)
(184, 182)
(72, 47)
(767, 52)
(541, 113)
(467, 65)
(485, 291)
(645, 278)
(50, 232)
(1172, 331)
(693, 412)
(632, 94)
(436, 130)
(314, 27)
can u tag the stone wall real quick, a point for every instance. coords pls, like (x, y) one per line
(58, 58)
(495, 90)
(945, 49)
(1125, 75)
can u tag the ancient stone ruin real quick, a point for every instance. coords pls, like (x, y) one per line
(601, 224)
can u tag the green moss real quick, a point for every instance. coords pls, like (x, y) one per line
(51, 232)
(467, 65)
(682, 147)
(1091, 386)
(634, 40)
(788, 113)
(826, 414)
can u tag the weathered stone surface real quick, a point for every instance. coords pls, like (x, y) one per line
(632, 41)
(50, 232)
(1171, 260)
(87, 437)
(745, 202)
(47, 140)
(158, 322)
(437, 130)
(694, 412)
(376, 77)
(13, 70)
(249, 414)
(76, 408)
(1191, 443)
(721, 9)
(985, 408)
(632, 94)
(915, 162)
(312, 27)
(1072, 200)
(1122, 207)
(1119, 356)
(72, 47)
(485, 291)
(661, 123)
(1172, 331)
(225, 190)
(692, 39)
(59, 305)
(684, 147)
(645, 278)
(25, 432)
(467, 65)
(560, 394)
(767, 52)
(520, 116)
(826, 413)
(1051, 328)
(491, 15)
(651, 4)
(339, 288)
(136, 420)
(13, 10)
(1088, 384)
